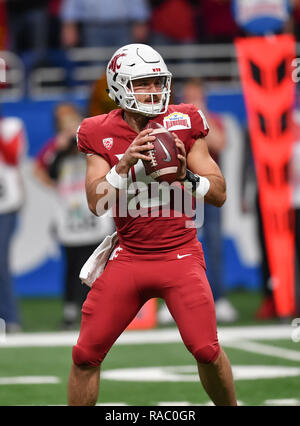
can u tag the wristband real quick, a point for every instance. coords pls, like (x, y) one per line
(116, 180)
(203, 187)
(200, 184)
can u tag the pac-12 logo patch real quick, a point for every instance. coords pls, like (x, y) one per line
(177, 121)
(108, 143)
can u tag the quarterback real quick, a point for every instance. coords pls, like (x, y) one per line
(155, 256)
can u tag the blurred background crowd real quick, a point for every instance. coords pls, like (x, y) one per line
(55, 53)
(41, 32)
(41, 25)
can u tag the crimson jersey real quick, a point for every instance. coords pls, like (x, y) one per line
(109, 135)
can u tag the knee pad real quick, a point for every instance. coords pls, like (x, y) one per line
(82, 356)
(207, 354)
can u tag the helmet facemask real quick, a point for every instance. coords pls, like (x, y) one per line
(154, 107)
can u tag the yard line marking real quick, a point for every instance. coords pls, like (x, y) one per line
(29, 380)
(263, 349)
(186, 403)
(162, 335)
(189, 373)
(288, 401)
(108, 404)
(175, 403)
(259, 332)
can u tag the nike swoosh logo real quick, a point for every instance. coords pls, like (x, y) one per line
(168, 156)
(183, 255)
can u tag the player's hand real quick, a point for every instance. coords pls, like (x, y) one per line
(181, 156)
(136, 151)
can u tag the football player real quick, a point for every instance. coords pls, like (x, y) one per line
(156, 256)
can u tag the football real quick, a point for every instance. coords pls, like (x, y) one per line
(164, 164)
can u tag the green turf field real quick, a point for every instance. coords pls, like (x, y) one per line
(266, 365)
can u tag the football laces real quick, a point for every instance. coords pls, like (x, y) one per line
(153, 158)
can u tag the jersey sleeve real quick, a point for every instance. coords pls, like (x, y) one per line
(88, 137)
(199, 123)
(199, 126)
(83, 143)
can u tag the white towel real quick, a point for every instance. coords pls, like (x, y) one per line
(94, 266)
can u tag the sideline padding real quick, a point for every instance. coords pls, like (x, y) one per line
(265, 65)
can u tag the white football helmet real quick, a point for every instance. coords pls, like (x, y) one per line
(133, 62)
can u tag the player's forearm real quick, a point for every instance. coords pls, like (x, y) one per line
(216, 194)
(103, 193)
(101, 196)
